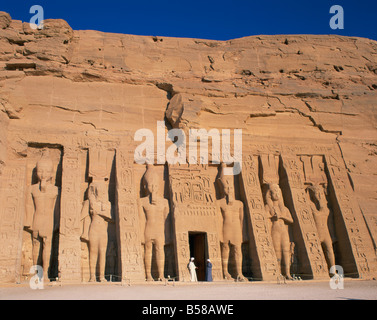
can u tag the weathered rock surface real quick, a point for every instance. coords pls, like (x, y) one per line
(318, 89)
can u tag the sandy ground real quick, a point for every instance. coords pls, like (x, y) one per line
(301, 290)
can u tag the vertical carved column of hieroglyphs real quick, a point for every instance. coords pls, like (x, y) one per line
(364, 258)
(70, 231)
(128, 226)
(264, 262)
(12, 184)
(313, 259)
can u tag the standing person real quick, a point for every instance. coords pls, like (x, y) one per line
(209, 271)
(192, 269)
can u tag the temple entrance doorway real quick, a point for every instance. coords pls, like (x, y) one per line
(199, 251)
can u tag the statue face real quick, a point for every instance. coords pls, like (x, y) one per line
(152, 186)
(317, 194)
(275, 192)
(228, 187)
(44, 171)
(98, 191)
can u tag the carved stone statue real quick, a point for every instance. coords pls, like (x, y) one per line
(153, 211)
(280, 218)
(95, 230)
(321, 215)
(232, 214)
(44, 195)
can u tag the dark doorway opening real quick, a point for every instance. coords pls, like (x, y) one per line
(199, 251)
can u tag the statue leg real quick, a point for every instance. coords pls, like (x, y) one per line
(86, 226)
(148, 260)
(286, 246)
(238, 257)
(329, 252)
(93, 258)
(276, 241)
(47, 243)
(102, 259)
(225, 259)
(36, 248)
(160, 257)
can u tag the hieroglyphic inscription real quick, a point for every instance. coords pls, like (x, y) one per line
(70, 231)
(193, 197)
(314, 261)
(362, 247)
(12, 185)
(262, 248)
(128, 228)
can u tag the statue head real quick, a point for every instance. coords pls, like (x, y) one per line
(274, 192)
(151, 181)
(45, 167)
(316, 194)
(227, 183)
(98, 191)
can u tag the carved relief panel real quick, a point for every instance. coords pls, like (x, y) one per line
(312, 259)
(127, 218)
(70, 226)
(264, 261)
(194, 210)
(12, 184)
(357, 245)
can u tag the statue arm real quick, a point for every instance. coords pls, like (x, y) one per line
(287, 216)
(106, 210)
(270, 207)
(142, 220)
(84, 210)
(220, 221)
(29, 210)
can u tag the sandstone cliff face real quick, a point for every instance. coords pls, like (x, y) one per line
(315, 87)
(276, 88)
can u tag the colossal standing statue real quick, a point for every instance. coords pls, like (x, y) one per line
(321, 215)
(280, 217)
(41, 221)
(96, 214)
(232, 216)
(153, 211)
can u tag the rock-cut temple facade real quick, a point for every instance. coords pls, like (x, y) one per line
(74, 201)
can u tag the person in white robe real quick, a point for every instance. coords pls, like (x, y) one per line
(192, 269)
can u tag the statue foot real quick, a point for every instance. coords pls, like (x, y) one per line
(103, 279)
(92, 279)
(241, 278)
(227, 276)
(288, 277)
(149, 278)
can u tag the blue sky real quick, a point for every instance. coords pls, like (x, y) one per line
(218, 20)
